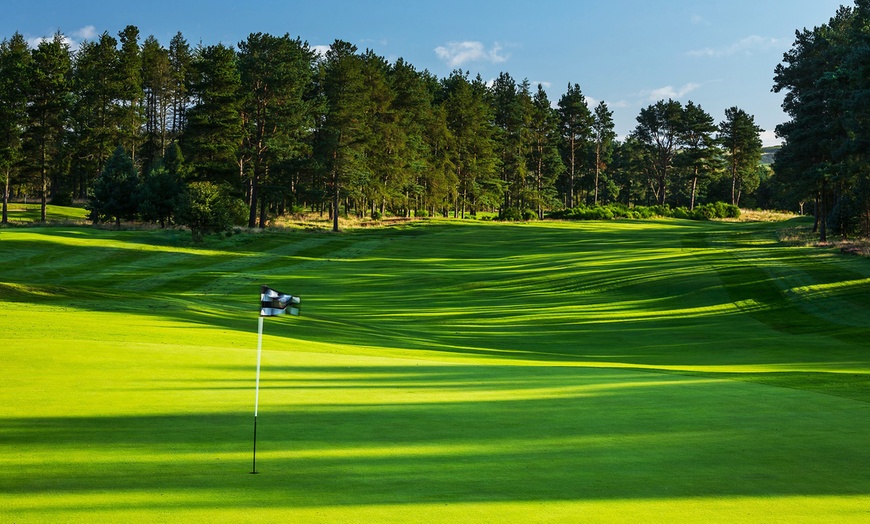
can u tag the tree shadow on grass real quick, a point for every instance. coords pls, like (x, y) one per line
(398, 435)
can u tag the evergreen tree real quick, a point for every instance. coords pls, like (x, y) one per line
(631, 166)
(415, 123)
(576, 126)
(545, 162)
(207, 207)
(341, 139)
(276, 74)
(213, 136)
(472, 149)
(130, 70)
(658, 127)
(157, 86)
(97, 117)
(739, 135)
(700, 155)
(603, 136)
(14, 81)
(512, 108)
(162, 187)
(180, 65)
(115, 192)
(48, 110)
(824, 77)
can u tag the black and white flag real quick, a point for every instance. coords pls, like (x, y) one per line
(274, 303)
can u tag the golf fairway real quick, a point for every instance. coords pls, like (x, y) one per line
(440, 372)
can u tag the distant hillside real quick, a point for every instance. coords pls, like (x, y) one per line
(767, 154)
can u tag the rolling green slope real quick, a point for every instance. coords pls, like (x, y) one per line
(440, 372)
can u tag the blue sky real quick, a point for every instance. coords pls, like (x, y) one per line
(629, 53)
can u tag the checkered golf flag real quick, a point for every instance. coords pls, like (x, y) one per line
(274, 303)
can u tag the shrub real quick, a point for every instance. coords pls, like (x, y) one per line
(208, 208)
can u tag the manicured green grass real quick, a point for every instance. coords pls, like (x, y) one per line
(31, 213)
(441, 372)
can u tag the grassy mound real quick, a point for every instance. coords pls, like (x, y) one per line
(441, 372)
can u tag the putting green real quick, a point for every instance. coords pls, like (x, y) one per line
(441, 372)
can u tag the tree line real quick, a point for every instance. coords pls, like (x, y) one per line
(270, 126)
(826, 80)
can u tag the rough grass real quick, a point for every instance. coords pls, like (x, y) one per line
(441, 372)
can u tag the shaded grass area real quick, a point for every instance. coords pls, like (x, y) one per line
(442, 372)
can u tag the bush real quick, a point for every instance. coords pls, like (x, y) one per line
(512, 215)
(614, 211)
(208, 208)
(376, 215)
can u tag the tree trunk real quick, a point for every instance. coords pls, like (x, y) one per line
(6, 199)
(597, 171)
(570, 195)
(335, 202)
(823, 212)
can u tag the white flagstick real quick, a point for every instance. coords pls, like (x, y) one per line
(257, 388)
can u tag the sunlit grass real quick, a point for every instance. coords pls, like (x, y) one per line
(440, 372)
(30, 213)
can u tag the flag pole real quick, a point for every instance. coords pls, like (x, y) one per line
(257, 389)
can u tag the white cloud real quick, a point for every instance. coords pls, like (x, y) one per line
(458, 53)
(769, 138)
(545, 85)
(86, 33)
(670, 92)
(34, 42)
(746, 46)
(320, 50)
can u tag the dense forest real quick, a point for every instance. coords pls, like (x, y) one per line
(145, 131)
(823, 161)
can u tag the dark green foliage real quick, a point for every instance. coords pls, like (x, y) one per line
(97, 115)
(159, 195)
(350, 132)
(659, 127)
(576, 125)
(14, 79)
(276, 75)
(48, 111)
(740, 139)
(213, 135)
(208, 208)
(827, 89)
(115, 193)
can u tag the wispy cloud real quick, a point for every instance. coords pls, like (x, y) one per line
(88, 32)
(456, 54)
(747, 45)
(670, 92)
(699, 20)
